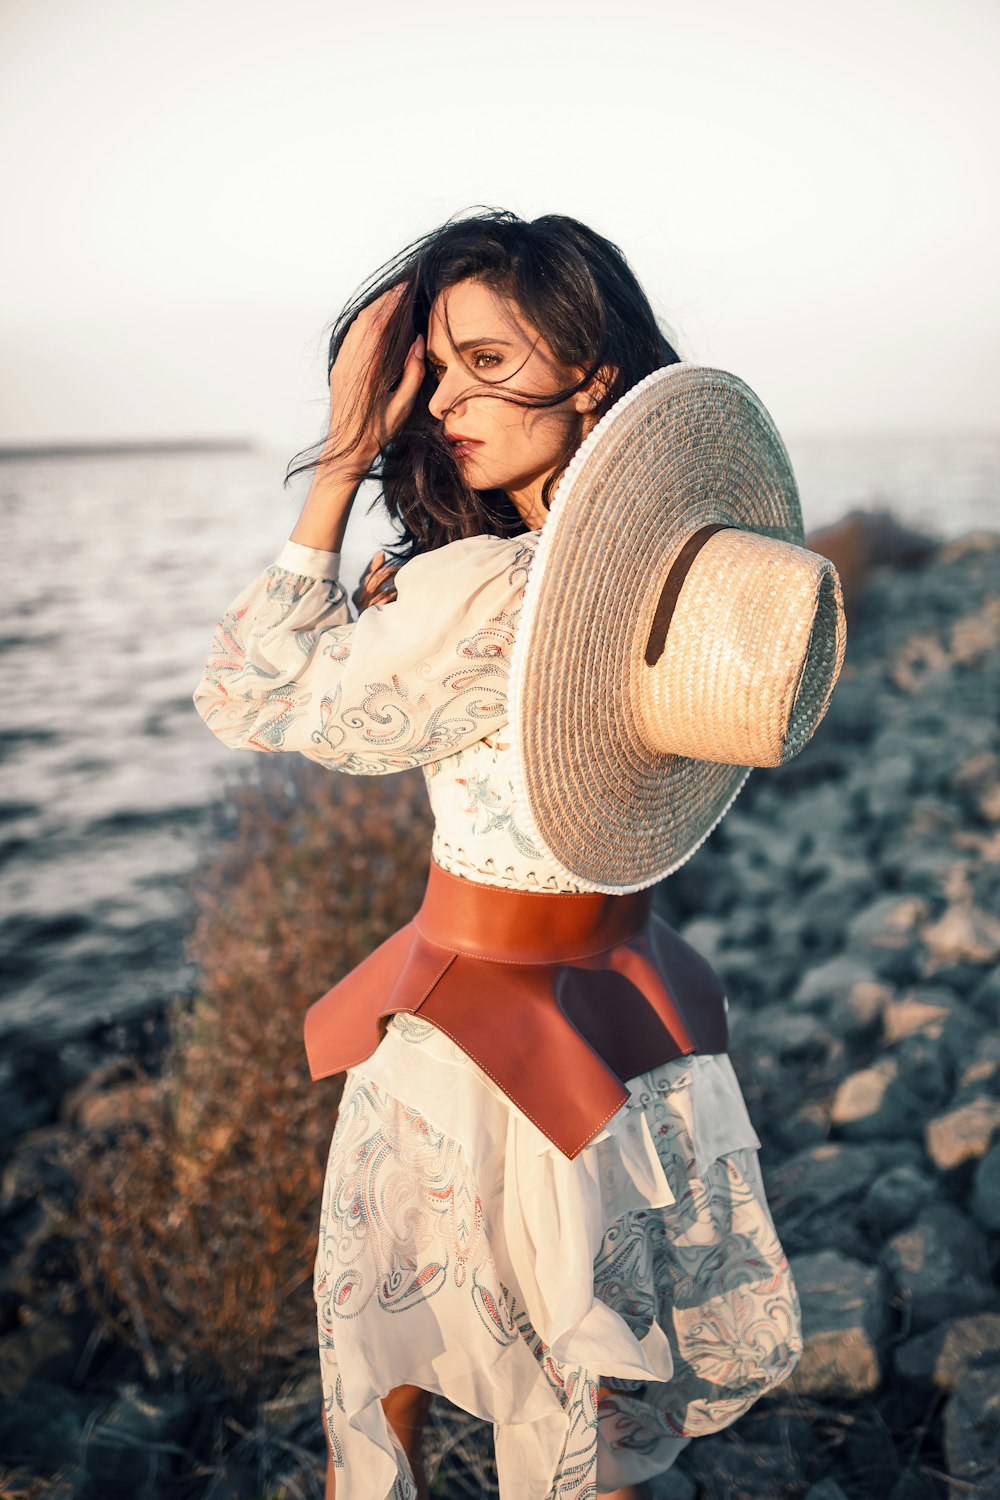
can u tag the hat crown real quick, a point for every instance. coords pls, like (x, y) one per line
(750, 655)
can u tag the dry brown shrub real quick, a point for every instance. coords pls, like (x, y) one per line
(17, 1484)
(198, 1226)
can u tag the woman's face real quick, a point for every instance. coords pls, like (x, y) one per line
(510, 447)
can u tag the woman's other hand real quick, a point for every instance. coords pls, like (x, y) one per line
(350, 379)
(371, 589)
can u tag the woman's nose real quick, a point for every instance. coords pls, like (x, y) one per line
(443, 397)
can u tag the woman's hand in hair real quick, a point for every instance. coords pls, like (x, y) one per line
(371, 589)
(357, 363)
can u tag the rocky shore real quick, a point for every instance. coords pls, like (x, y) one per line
(851, 903)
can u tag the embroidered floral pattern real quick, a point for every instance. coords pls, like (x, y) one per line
(491, 811)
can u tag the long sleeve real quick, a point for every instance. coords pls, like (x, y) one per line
(410, 681)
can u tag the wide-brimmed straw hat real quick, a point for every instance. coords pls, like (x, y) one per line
(674, 632)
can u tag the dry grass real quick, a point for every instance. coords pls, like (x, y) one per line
(17, 1484)
(198, 1224)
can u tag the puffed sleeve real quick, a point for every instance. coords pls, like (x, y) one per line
(410, 681)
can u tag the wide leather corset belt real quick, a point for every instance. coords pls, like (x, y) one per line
(560, 999)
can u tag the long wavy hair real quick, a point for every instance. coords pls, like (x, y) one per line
(573, 285)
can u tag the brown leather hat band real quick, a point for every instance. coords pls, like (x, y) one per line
(530, 927)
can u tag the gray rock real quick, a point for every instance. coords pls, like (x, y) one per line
(856, 1015)
(938, 1357)
(985, 998)
(741, 973)
(814, 816)
(793, 1037)
(827, 1489)
(842, 1324)
(820, 1177)
(924, 865)
(823, 983)
(887, 781)
(899, 1154)
(914, 1484)
(916, 1359)
(835, 869)
(924, 1071)
(979, 1072)
(964, 932)
(917, 1011)
(806, 1125)
(890, 921)
(877, 1102)
(938, 1267)
(726, 1465)
(895, 1198)
(773, 847)
(964, 1133)
(747, 927)
(826, 910)
(757, 885)
(972, 1434)
(40, 1426)
(132, 1446)
(706, 934)
(673, 1485)
(985, 1198)
(856, 708)
(968, 1342)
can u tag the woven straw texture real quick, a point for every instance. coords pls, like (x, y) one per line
(686, 447)
(756, 697)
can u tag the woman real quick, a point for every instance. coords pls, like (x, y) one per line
(600, 1306)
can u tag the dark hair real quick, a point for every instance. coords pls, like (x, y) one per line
(573, 285)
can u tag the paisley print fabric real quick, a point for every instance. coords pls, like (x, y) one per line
(411, 681)
(603, 1312)
(453, 1245)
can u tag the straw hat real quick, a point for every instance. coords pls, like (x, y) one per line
(674, 632)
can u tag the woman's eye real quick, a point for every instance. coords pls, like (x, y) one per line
(482, 360)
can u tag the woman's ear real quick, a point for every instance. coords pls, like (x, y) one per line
(594, 392)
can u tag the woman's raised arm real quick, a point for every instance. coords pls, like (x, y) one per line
(408, 682)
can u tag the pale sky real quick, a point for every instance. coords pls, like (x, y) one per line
(192, 189)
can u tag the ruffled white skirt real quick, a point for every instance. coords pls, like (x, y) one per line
(460, 1251)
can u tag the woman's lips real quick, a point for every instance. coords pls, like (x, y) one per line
(464, 447)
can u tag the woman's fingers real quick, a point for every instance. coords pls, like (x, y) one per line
(375, 575)
(399, 407)
(356, 365)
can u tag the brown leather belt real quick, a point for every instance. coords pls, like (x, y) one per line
(559, 998)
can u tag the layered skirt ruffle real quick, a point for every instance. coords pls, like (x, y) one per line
(600, 1312)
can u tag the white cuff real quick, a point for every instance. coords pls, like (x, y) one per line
(309, 562)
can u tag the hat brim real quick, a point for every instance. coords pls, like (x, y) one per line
(688, 446)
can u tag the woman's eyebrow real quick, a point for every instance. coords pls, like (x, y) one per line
(467, 344)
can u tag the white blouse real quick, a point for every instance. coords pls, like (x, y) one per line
(420, 681)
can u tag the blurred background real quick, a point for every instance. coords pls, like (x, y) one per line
(194, 190)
